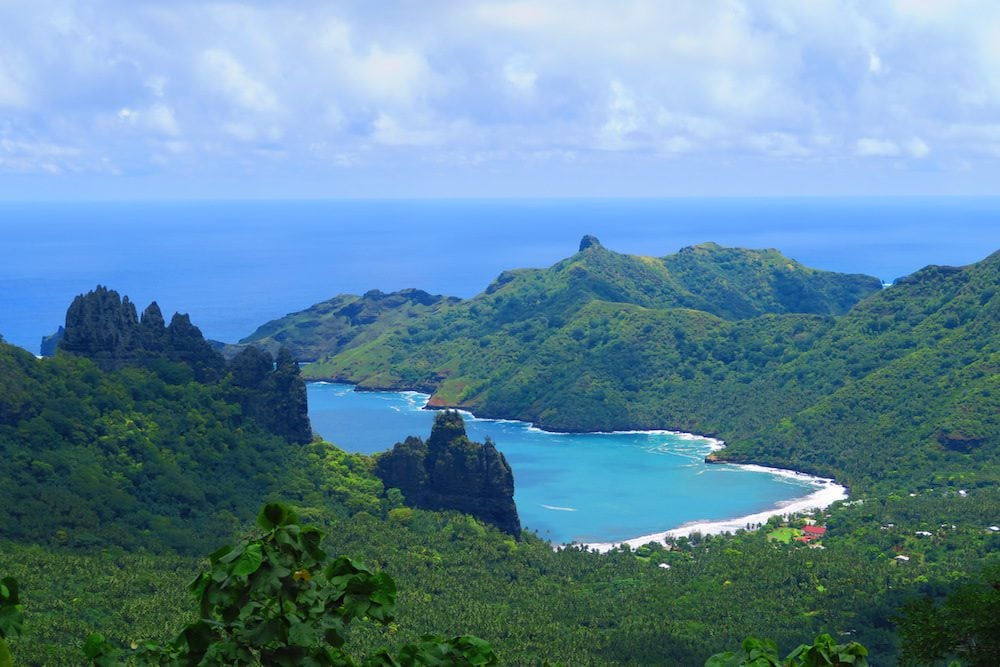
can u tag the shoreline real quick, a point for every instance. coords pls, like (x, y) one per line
(826, 491)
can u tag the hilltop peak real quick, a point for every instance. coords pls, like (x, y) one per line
(589, 241)
(707, 246)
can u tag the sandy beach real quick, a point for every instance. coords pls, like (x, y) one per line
(827, 492)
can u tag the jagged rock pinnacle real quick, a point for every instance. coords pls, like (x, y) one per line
(589, 241)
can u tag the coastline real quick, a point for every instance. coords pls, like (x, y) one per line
(826, 491)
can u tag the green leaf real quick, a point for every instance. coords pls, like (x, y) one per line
(219, 553)
(8, 591)
(274, 515)
(95, 645)
(311, 539)
(11, 621)
(301, 634)
(198, 636)
(249, 561)
(727, 659)
(262, 634)
(6, 660)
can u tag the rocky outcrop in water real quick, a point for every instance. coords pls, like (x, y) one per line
(451, 472)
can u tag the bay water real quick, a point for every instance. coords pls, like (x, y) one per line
(591, 488)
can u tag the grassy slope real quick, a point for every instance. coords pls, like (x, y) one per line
(345, 321)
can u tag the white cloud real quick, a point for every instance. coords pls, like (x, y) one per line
(389, 132)
(622, 118)
(12, 93)
(928, 10)
(874, 63)
(869, 147)
(156, 85)
(398, 75)
(677, 145)
(241, 131)
(223, 72)
(778, 144)
(494, 84)
(519, 75)
(517, 15)
(157, 118)
(37, 157)
(918, 148)
(702, 127)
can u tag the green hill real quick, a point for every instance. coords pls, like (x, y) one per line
(906, 386)
(124, 442)
(345, 321)
(502, 332)
(111, 458)
(728, 282)
(792, 367)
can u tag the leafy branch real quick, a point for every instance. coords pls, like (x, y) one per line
(275, 598)
(11, 618)
(824, 652)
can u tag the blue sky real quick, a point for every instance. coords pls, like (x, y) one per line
(183, 99)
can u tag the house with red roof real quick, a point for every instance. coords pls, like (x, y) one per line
(814, 532)
(811, 533)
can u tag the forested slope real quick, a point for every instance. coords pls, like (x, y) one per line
(585, 309)
(121, 442)
(345, 321)
(109, 460)
(904, 390)
(790, 366)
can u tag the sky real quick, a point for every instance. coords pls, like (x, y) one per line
(141, 99)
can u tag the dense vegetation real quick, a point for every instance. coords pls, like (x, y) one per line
(345, 321)
(276, 598)
(143, 454)
(457, 576)
(965, 624)
(121, 460)
(608, 341)
(577, 346)
(451, 472)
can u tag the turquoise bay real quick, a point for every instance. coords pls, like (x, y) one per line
(591, 487)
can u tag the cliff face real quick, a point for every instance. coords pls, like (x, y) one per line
(103, 326)
(451, 472)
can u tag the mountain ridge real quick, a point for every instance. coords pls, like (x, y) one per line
(603, 341)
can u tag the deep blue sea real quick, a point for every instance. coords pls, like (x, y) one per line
(590, 487)
(234, 265)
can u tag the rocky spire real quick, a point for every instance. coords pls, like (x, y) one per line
(451, 472)
(589, 241)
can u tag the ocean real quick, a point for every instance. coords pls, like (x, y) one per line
(235, 265)
(593, 488)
